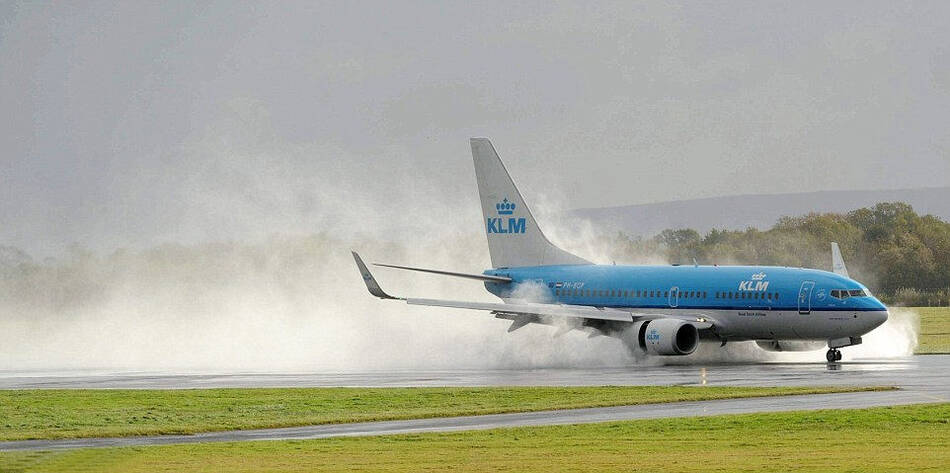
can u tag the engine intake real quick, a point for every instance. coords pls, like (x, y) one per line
(667, 337)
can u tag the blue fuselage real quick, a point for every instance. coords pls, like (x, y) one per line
(748, 301)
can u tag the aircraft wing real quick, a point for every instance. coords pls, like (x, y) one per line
(525, 310)
(533, 309)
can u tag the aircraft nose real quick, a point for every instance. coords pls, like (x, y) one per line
(877, 317)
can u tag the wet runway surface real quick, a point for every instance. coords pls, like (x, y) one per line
(929, 373)
(922, 379)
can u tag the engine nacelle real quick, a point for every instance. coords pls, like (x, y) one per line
(789, 345)
(666, 337)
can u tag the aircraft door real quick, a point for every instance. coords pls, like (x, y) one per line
(674, 296)
(804, 297)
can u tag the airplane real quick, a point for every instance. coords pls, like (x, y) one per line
(654, 310)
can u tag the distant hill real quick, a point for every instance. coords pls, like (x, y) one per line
(760, 211)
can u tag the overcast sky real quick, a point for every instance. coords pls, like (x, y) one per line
(136, 123)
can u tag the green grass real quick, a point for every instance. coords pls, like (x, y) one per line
(50, 414)
(934, 329)
(906, 438)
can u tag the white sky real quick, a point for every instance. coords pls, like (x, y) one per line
(135, 123)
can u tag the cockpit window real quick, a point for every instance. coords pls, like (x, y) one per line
(844, 293)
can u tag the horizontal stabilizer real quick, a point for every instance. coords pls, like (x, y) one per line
(480, 277)
(519, 322)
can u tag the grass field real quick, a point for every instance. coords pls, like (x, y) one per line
(907, 438)
(48, 414)
(934, 330)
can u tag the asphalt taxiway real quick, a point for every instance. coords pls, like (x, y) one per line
(453, 424)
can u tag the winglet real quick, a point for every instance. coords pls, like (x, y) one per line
(837, 262)
(370, 281)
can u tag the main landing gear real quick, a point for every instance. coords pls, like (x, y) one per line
(833, 355)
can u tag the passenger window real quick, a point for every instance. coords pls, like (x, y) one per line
(776, 295)
(651, 293)
(666, 294)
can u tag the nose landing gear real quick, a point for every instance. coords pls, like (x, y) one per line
(833, 355)
(836, 343)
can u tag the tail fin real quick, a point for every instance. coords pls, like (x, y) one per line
(514, 238)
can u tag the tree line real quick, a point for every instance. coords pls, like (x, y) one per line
(903, 257)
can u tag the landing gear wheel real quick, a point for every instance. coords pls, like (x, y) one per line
(833, 355)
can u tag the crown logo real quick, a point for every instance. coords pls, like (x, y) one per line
(758, 277)
(504, 207)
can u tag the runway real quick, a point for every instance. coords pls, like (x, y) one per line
(927, 373)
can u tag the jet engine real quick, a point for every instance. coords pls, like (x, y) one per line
(666, 337)
(788, 345)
